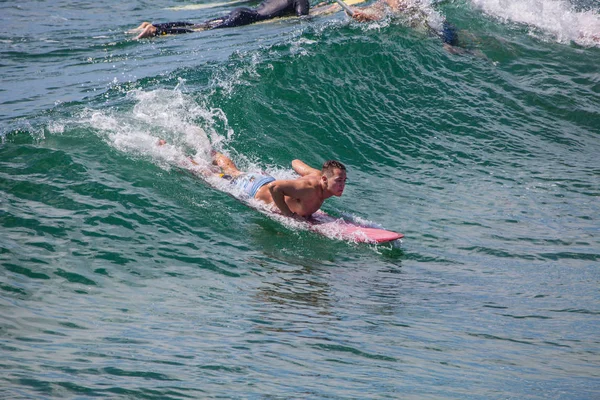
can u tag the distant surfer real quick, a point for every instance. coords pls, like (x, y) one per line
(300, 197)
(268, 9)
(377, 11)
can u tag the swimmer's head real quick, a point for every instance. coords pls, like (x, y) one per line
(333, 175)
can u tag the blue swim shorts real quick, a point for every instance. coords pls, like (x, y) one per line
(250, 183)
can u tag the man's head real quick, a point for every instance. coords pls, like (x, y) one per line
(333, 175)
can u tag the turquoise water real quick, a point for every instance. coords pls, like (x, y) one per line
(124, 276)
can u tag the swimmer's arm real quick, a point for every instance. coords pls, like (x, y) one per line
(303, 169)
(291, 188)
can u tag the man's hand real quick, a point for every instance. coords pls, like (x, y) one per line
(297, 217)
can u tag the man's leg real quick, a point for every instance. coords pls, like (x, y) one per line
(238, 17)
(169, 28)
(226, 165)
(139, 28)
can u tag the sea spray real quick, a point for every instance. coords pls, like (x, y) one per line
(557, 19)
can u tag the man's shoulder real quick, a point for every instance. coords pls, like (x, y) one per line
(309, 180)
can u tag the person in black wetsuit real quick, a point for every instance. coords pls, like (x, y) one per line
(240, 16)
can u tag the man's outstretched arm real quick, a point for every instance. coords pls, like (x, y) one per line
(303, 169)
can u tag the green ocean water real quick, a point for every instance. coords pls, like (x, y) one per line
(125, 276)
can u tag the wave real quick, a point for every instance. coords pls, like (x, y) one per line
(557, 19)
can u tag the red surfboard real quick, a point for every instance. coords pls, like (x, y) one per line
(345, 230)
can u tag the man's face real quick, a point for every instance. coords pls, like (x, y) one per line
(337, 182)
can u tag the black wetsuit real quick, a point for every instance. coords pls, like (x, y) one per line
(240, 16)
(449, 34)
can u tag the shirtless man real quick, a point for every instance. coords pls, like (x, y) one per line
(240, 16)
(293, 197)
(299, 197)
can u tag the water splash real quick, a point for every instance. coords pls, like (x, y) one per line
(171, 115)
(556, 18)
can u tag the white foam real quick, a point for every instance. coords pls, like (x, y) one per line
(232, 79)
(557, 18)
(183, 122)
(55, 127)
(171, 115)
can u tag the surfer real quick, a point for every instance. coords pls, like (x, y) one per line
(293, 197)
(239, 16)
(376, 11)
(300, 197)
